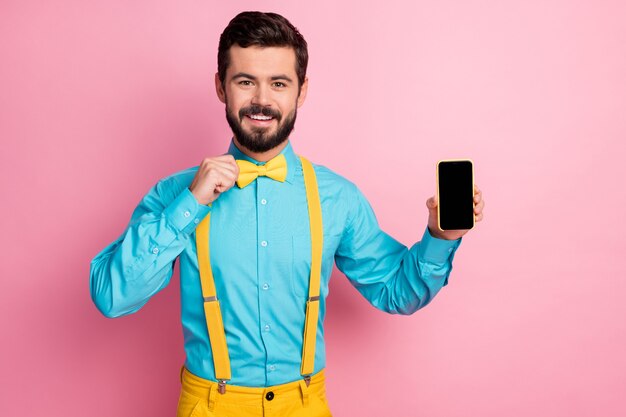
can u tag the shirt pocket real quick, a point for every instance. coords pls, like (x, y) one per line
(301, 264)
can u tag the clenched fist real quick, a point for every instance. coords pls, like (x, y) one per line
(214, 176)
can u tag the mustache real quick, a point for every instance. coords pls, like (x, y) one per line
(257, 109)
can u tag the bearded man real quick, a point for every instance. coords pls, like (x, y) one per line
(257, 231)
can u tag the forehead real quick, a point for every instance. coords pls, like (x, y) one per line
(262, 61)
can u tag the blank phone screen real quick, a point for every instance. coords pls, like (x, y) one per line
(456, 195)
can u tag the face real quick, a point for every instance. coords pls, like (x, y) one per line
(261, 95)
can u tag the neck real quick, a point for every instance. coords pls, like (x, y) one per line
(261, 156)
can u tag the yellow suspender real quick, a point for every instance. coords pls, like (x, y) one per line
(317, 241)
(212, 312)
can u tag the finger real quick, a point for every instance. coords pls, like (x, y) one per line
(431, 203)
(225, 182)
(479, 207)
(229, 171)
(223, 161)
(226, 178)
(216, 175)
(225, 157)
(478, 217)
(225, 166)
(231, 160)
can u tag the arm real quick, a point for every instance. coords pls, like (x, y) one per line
(392, 277)
(139, 263)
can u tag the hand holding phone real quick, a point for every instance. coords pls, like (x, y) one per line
(451, 218)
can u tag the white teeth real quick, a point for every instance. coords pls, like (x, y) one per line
(259, 117)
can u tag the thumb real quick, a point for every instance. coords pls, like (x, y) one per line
(431, 203)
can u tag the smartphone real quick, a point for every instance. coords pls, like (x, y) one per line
(455, 193)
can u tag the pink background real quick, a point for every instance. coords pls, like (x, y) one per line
(100, 99)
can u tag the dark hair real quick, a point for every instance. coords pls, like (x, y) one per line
(261, 29)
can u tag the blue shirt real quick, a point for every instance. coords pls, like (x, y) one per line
(260, 253)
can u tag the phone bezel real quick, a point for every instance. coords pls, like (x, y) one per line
(439, 200)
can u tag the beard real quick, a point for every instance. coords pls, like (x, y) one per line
(259, 140)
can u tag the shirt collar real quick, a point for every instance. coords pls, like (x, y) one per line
(290, 156)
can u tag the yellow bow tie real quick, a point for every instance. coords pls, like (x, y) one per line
(275, 168)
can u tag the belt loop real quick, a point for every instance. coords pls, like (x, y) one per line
(212, 397)
(305, 393)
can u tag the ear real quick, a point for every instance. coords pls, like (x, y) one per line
(303, 90)
(219, 89)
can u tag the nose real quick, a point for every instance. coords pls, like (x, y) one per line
(261, 95)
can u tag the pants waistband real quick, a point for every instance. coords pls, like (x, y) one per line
(203, 388)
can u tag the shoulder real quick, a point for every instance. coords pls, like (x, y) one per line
(180, 179)
(168, 188)
(333, 182)
(341, 198)
(337, 192)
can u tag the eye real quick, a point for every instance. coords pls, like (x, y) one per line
(245, 83)
(279, 84)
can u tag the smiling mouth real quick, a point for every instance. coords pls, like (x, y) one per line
(259, 117)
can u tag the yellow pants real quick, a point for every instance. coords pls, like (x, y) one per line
(200, 398)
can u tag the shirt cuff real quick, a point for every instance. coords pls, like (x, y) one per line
(185, 213)
(437, 250)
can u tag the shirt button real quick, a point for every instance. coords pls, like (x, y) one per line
(269, 396)
(264, 243)
(266, 286)
(263, 201)
(272, 368)
(196, 221)
(155, 250)
(267, 328)
(186, 214)
(450, 250)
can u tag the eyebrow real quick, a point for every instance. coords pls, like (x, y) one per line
(243, 75)
(252, 77)
(281, 77)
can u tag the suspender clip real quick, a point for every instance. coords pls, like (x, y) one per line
(221, 386)
(314, 298)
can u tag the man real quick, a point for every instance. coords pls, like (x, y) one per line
(257, 231)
